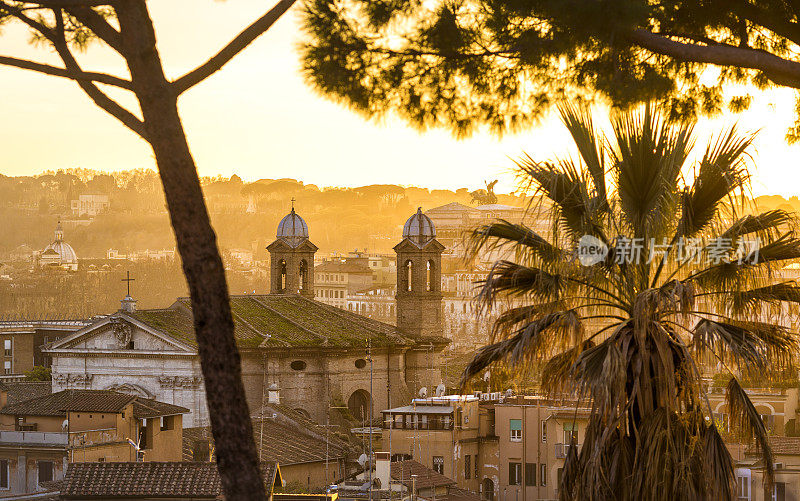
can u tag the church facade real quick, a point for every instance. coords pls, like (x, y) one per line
(319, 356)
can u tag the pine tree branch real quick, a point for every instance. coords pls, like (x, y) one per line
(781, 71)
(99, 26)
(58, 38)
(780, 26)
(63, 72)
(235, 46)
(61, 4)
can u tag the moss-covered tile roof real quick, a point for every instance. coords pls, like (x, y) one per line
(275, 321)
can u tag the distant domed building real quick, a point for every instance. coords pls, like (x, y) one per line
(59, 254)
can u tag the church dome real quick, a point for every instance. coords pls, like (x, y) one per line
(293, 229)
(419, 229)
(59, 253)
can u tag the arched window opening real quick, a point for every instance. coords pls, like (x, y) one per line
(359, 405)
(282, 279)
(429, 277)
(408, 276)
(303, 275)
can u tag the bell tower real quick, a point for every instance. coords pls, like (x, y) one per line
(292, 258)
(419, 278)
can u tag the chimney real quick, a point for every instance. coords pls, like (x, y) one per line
(128, 304)
(274, 394)
(383, 469)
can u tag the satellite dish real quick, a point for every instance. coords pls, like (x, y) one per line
(509, 393)
(423, 392)
(65, 424)
(486, 375)
(362, 460)
(440, 390)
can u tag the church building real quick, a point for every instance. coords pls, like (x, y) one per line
(59, 254)
(319, 356)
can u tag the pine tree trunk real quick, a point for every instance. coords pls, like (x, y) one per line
(235, 450)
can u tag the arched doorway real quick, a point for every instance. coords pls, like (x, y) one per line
(359, 404)
(488, 489)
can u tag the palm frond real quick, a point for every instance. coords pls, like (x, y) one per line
(754, 299)
(745, 342)
(578, 121)
(502, 234)
(568, 191)
(510, 319)
(721, 173)
(721, 475)
(650, 154)
(535, 340)
(558, 373)
(759, 223)
(745, 419)
(510, 278)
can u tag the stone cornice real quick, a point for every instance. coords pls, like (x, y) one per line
(85, 352)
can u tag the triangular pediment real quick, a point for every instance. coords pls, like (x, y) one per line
(123, 333)
(406, 245)
(281, 245)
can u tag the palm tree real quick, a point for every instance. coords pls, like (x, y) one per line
(683, 279)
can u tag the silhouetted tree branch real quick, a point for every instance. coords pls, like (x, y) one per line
(235, 46)
(73, 23)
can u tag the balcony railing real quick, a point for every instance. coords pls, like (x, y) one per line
(563, 449)
(49, 438)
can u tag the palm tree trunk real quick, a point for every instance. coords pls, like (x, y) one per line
(230, 422)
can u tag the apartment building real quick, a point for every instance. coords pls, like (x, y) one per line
(505, 448)
(335, 279)
(40, 436)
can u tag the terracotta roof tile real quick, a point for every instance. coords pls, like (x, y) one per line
(426, 477)
(57, 404)
(137, 479)
(280, 440)
(789, 446)
(20, 391)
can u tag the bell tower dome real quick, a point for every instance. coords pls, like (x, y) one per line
(292, 258)
(419, 278)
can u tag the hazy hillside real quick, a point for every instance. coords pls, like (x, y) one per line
(245, 215)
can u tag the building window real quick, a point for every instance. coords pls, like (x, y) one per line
(298, 365)
(45, 469)
(544, 431)
(530, 474)
(543, 474)
(7, 367)
(779, 491)
(467, 466)
(167, 423)
(570, 433)
(743, 488)
(4, 474)
(514, 473)
(476, 467)
(516, 430)
(7, 347)
(769, 421)
(438, 464)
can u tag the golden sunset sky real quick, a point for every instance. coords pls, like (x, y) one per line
(257, 118)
